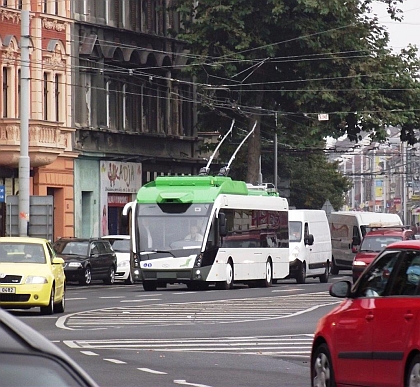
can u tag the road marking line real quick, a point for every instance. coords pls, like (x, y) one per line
(185, 383)
(71, 344)
(152, 371)
(89, 353)
(76, 298)
(111, 297)
(149, 299)
(115, 361)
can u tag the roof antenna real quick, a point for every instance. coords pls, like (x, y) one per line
(206, 170)
(224, 171)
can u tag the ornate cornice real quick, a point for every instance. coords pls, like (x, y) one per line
(8, 15)
(53, 24)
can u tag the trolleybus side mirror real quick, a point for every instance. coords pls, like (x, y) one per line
(124, 221)
(222, 224)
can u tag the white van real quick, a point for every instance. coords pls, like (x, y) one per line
(347, 231)
(309, 245)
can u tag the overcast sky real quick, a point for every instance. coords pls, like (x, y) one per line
(405, 32)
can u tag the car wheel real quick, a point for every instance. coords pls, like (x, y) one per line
(324, 277)
(413, 374)
(129, 280)
(49, 309)
(87, 277)
(59, 307)
(228, 283)
(322, 373)
(110, 279)
(149, 286)
(301, 275)
(334, 268)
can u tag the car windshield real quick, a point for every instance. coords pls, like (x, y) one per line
(71, 247)
(378, 243)
(295, 231)
(121, 245)
(22, 253)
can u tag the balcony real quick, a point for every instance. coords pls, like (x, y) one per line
(47, 140)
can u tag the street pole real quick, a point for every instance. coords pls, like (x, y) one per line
(24, 162)
(404, 183)
(275, 156)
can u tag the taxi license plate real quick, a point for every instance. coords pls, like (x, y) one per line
(7, 290)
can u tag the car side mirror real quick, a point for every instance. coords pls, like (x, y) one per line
(309, 240)
(340, 289)
(356, 241)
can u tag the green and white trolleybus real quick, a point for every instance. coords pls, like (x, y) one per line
(201, 230)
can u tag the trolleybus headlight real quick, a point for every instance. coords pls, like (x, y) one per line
(136, 261)
(198, 260)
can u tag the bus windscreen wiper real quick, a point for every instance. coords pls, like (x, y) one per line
(163, 252)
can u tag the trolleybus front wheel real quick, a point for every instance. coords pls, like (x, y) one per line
(228, 282)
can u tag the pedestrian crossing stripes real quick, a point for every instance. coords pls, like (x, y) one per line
(206, 312)
(283, 345)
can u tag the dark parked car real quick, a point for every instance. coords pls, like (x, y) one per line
(29, 359)
(87, 259)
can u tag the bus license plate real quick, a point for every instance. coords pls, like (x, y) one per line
(7, 290)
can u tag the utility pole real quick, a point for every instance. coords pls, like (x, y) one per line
(275, 156)
(24, 161)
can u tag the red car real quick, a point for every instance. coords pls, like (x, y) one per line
(373, 338)
(374, 242)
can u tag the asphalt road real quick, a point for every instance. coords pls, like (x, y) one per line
(123, 336)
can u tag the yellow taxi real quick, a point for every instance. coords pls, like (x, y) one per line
(31, 275)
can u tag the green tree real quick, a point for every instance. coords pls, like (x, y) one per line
(299, 58)
(314, 180)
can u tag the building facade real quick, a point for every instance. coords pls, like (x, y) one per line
(110, 107)
(50, 125)
(133, 107)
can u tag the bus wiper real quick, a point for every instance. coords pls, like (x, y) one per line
(163, 252)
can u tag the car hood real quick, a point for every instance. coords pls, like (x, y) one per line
(25, 269)
(72, 257)
(365, 256)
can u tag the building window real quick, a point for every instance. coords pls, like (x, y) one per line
(44, 6)
(134, 108)
(5, 91)
(46, 96)
(19, 94)
(124, 107)
(108, 109)
(57, 97)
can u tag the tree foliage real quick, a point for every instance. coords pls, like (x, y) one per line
(283, 62)
(314, 180)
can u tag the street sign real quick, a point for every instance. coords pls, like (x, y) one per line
(2, 193)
